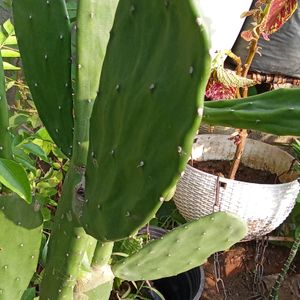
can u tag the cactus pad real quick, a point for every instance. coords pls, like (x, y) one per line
(276, 112)
(44, 38)
(182, 249)
(20, 238)
(147, 111)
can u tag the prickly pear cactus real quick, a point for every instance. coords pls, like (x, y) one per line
(44, 38)
(147, 111)
(20, 238)
(276, 112)
(182, 249)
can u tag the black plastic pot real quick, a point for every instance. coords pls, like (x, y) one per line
(185, 286)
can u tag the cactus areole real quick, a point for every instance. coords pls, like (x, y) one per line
(148, 109)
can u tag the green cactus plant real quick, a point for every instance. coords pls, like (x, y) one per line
(126, 161)
(48, 67)
(20, 239)
(188, 245)
(21, 225)
(124, 153)
(276, 112)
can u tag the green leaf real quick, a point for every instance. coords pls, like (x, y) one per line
(11, 40)
(29, 294)
(17, 120)
(36, 150)
(14, 177)
(9, 67)
(9, 53)
(9, 27)
(2, 37)
(10, 84)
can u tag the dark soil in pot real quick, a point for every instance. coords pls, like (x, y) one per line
(246, 174)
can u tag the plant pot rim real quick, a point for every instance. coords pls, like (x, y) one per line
(254, 143)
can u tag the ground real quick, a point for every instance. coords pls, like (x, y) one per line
(237, 269)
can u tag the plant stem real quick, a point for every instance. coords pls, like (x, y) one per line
(275, 290)
(5, 138)
(250, 57)
(102, 253)
(238, 153)
(67, 245)
(243, 132)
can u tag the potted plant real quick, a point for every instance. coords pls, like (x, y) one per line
(114, 184)
(117, 134)
(198, 192)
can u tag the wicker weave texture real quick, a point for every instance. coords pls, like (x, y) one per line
(263, 206)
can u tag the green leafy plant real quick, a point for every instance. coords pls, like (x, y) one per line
(128, 139)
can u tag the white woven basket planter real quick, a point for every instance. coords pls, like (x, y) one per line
(263, 206)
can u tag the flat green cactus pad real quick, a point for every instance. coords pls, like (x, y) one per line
(44, 38)
(146, 114)
(20, 238)
(276, 112)
(182, 249)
